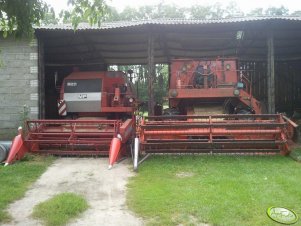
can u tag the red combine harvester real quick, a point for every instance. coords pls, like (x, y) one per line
(212, 110)
(98, 119)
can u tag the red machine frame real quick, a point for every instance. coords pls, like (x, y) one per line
(243, 129)
(106, 130)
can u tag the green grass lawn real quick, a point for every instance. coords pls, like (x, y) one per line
(15, 180)
(218, 190)
(60, 209)
(296, 154)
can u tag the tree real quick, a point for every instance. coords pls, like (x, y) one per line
(19, 16)
(271, 11)
(129, 13)
(277, 11)
(256, 12)
(296, 13)
(93, 12)
(232, 10)
(215, 11)
(50, 17)
(200, 12)
(148, 12)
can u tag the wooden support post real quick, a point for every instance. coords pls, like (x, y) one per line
(271, 73)
(41, 78)
(151, 74)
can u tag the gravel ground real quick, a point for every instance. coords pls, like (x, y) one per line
(103, 189)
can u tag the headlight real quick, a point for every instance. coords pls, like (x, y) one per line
(131, 100)
(173, 93)
(236, 92)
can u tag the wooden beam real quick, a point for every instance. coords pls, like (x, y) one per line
(62, 44)
(271, 73)
(124, 53)
(41, 79)
(151, 74)
(62, 64)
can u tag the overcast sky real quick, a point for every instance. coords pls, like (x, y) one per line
(244, 5)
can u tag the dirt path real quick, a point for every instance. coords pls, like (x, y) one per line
(104, 190)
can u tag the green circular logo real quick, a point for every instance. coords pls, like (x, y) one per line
(282, 215)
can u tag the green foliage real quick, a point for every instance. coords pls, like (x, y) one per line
(147, 12)
(271, 11)
(15, 180)
(215, 11)
(296, 13)
(296, 154)
(93, 12)
(274, 11)
(140, 79)
(256, 12)
(50, 17)
(24, 115)
(201, 12)
(218, 190)
(232, 10)
(161, 83)
(18, 16)
(60, 209)
(172, 11)
(197, 11)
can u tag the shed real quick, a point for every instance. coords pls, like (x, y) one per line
(268, 47)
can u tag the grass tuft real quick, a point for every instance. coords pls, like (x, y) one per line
(16, 178)
(60, 209)
(218, 190)
(296, 154)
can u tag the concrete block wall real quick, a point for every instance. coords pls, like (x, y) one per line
(18, 83)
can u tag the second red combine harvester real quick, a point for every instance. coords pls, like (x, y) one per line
(97, 110)
(212, 110)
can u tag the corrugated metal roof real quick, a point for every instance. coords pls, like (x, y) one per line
(126, 42)
(124, 24)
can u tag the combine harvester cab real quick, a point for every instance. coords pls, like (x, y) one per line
(97, 111)
(212, 110)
